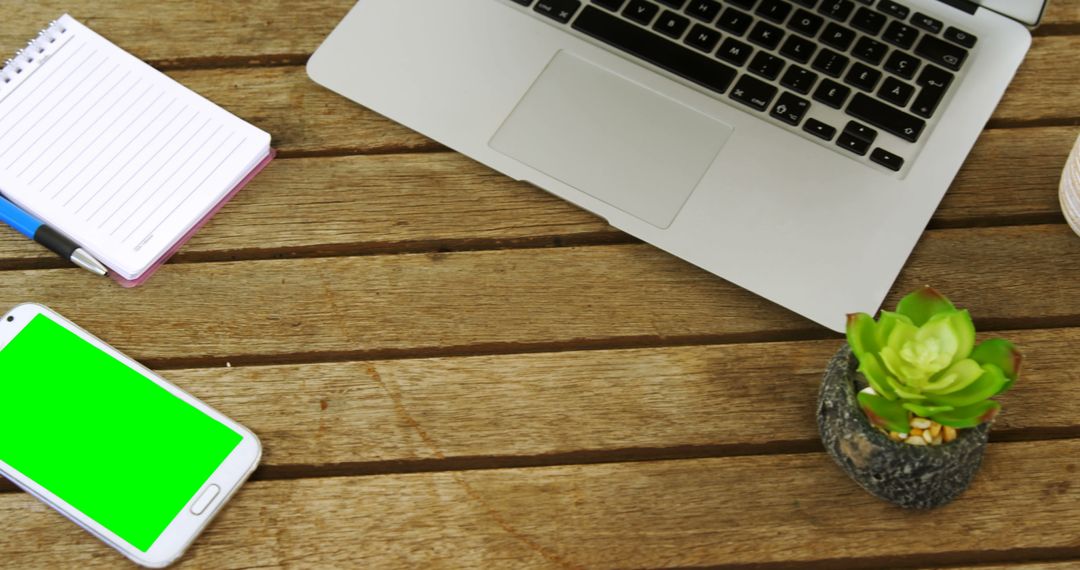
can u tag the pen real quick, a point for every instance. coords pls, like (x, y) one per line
(32, 228)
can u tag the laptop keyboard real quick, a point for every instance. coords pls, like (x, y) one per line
(865, 77)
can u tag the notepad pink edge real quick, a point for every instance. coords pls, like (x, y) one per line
(129, 283)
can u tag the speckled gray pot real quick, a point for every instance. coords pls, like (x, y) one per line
(909, 476)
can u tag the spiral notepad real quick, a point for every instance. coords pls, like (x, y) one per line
(119, 157)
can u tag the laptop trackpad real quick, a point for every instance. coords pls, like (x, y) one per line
(613, 139)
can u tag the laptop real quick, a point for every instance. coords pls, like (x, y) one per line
(796, 148)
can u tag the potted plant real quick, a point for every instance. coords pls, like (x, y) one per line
(905, 407)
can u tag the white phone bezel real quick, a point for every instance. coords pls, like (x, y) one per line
(186, 526)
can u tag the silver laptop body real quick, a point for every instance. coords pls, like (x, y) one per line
(726, 166)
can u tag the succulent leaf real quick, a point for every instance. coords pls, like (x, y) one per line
(953, 330)
(888, 414)
(989, 384)
(1000, 353)
(886, 323)
(922, 304)
(860, 333)
(955, 378)
(902, 390)
(926, 411)
(875, 374)
(968, 416)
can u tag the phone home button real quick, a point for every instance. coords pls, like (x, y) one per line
(204, 499)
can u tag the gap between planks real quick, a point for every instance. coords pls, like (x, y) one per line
(577, 345)
(587, 457)
(1018, 559)
(610, 237)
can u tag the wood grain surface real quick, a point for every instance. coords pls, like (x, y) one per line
(451, 369)
(676, 513)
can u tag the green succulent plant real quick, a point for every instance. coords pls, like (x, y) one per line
(923, 359)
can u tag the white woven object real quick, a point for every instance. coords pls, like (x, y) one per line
(1070, 188)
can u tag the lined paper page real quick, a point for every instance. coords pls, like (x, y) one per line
(116, 155)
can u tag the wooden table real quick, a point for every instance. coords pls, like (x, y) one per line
(451, 369)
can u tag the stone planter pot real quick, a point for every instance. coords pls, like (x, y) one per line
(906, 475)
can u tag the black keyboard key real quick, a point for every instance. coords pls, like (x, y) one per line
(798, 49)
(642, 43)
(807, 3)
(837, 36)
(941, 52)
(887, 159)
(900, 35)
(766, 35)
(886, 117)
(799, 79)
(896, 92)
(677, 4)
(744, 4)
(805, 23)
(524, 2)
(753, 92)
(671, 24)
(832, 93)
(734, 51)
(837, 9)
(703, 38)
(926, 22)
(869, 50)
(765, 65)
(933, 83)
(735, 21)
(819, 129)
(641, 11)
(848, 141)
(790, 109)
(868, 21)
(902, 64)
(559, 10)
(704, 10)
(961, 37)
(775, 10)
(830, 63)
(863, 77)
(893, 9)
(613, 5)
(861, 131)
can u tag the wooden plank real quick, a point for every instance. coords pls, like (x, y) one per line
(438, 201)
(305, 118)
(1070, 565)
(575, 406)
(302, 117)
(1061, 16)
(742, 510)
(364, 204)
(1044, 90)
(204, 32)
(515, 300)
(193, 32)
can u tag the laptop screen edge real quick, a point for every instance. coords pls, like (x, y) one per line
(1028, 12)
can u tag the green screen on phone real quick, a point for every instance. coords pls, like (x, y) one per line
(101, 436)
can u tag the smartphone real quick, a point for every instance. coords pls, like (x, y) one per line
(131, 458)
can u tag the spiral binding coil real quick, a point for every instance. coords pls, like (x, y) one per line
(24, 60)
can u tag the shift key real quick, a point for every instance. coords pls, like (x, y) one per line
(885, 117)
